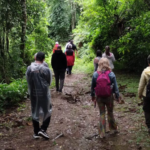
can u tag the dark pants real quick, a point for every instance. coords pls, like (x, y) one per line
(146, 108)
(69, 69)
(43, 127)
(59, 75)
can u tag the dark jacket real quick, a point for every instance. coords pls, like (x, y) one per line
(59, 61)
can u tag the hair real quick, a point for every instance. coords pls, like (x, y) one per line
(69, 46)
(107, 52)
(99, 53)
(103, 65)
(71, 41)
(148, 59)
(40, 56)
(59, 47)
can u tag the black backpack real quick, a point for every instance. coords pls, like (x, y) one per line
(148, 90)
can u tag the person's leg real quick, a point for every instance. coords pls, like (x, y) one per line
(35, 122)
(111, 120)
(36, 127)
(62, 78)
(102, 121)
(57, 79)
(146, 108)
(71, 70)
(46, 123)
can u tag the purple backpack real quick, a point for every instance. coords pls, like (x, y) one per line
(103, 85)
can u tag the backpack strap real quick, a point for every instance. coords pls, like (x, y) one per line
(108, 72)
(99, 73)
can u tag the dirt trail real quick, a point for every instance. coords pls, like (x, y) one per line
(75, 117)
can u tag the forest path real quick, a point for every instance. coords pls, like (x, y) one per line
(75, 117)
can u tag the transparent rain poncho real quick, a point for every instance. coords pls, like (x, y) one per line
(39, 79)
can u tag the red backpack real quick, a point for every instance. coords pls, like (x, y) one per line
(103, 85)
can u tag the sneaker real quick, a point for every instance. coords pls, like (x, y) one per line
(43, 134)
(102, 136)
(36, 136)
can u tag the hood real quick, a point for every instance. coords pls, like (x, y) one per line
(35, 66)
(147, 71)
(58, 52)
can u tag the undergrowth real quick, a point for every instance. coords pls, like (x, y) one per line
(13, 93)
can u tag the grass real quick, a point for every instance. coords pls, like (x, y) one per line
(130, 80)
(81, 66)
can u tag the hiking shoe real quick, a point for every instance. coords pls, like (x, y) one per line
(43, 134)
(36, 136)
(113, 132)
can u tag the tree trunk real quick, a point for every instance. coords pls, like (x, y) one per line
(23, 26)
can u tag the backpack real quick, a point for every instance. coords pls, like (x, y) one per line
(103, 85)
(148, 90)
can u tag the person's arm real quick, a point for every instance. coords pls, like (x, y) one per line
(65, 61)
(48, 76)
(115, 85)
(142, 85)
(27, 77)
(52, 61)
(113, 57)
(93, 84)
(76, 50)
(73, 56)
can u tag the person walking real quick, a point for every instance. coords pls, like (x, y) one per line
(110, 56)
(59, 65)
(44, 63)
(55, 47)
(103, 86)
(39, 79)
(74, 48)
(70, 55)
(97, 59)
(67, 45)
(144, 93)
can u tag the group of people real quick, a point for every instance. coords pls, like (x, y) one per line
(39, 79)
(103, 88)
(62, 62)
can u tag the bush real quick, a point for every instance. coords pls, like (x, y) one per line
(13, 93)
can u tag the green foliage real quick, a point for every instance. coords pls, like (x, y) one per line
(13, 93)
(124, 25)
(59, 20)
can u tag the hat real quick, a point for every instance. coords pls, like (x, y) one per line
(56, 43)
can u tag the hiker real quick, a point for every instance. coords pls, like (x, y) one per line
(144, 93)
(70, 58)
(74, 48)
(67, 45)
(55, 47)
(97, 59)
(44, 63)
(103, 86)
(59, 65)
(39, 79)
(110, 56)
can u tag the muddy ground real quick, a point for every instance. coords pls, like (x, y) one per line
(75, 117)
